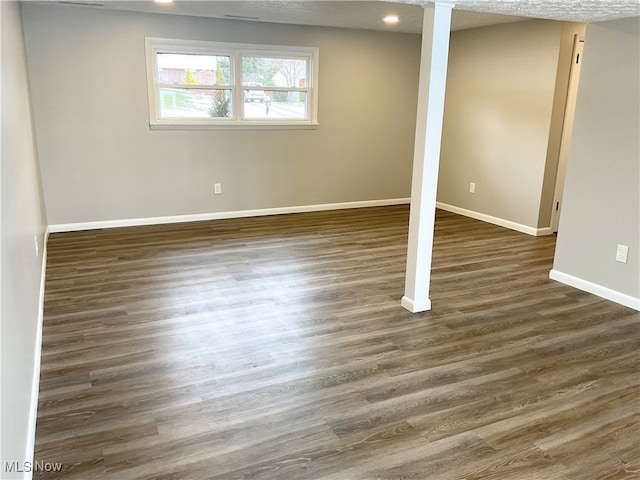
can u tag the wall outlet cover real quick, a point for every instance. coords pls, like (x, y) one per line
(621, 253)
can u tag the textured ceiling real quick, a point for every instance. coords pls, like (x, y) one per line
(368, 14)
(572, 10)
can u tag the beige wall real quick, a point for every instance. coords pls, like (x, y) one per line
(500, 93)
(602, 192)
(23, 219)
(101, 162)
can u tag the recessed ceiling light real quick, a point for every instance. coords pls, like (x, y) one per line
(164, 2)
(391, 19)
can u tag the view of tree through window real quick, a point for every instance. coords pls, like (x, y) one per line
(282, 79)
(200, 86)
(190, 85)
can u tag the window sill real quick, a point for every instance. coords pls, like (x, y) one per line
(235, 126)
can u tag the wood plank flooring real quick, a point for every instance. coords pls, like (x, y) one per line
(276, 348)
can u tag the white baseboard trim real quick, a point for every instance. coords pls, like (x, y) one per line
(595, 289)
(415, 307)
(37, 354)
(134, 222)
(544, 231)
(495, 220)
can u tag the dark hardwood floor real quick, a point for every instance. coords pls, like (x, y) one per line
(276, 348)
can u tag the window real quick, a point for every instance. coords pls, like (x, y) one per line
(207, 84)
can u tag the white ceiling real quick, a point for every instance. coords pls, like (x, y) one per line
(368, 14)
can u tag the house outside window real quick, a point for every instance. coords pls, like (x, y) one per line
(210, 84)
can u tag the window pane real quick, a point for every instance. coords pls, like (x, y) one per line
(274, 72)
(193, 69)
(277, 105)
(188, 103)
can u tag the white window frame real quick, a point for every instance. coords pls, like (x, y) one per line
(235, 51)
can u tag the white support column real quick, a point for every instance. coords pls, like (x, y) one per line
(426, 158)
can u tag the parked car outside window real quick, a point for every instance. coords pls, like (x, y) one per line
(254, 95)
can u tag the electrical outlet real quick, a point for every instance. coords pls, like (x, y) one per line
(217, 188)
(35, 240)
(472, 187)
(621, 253)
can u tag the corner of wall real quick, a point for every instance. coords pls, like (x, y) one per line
(602, 194)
